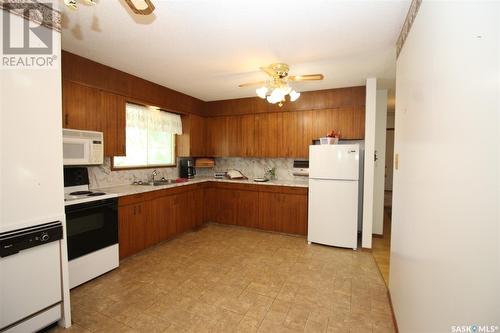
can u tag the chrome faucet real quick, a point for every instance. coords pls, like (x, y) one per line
(153, 174)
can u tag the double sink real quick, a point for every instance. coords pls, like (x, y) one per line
(156, 182)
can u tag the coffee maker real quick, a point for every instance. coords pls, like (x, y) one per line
(186, 167)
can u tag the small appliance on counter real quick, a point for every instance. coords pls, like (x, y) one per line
(82, 147)
(301, 168)
(186, 167)
(219, 174)
(204, 162)
(91, 228)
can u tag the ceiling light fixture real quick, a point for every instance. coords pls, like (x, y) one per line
(141, 7)
(277, 87)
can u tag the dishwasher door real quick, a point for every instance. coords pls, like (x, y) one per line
(30, 274)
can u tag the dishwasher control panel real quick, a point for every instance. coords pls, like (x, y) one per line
(12, 242)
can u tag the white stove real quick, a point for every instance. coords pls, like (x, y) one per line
(80, 194)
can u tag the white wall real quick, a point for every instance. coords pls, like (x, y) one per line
(445, 255)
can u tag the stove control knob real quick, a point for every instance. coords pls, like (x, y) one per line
(44, 237)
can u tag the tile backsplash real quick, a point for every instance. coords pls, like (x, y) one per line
(253, 167)
(102, 176)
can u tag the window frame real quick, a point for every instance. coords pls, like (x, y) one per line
(151, 166)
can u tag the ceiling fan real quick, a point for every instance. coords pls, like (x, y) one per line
(277, 86)
(141, 7)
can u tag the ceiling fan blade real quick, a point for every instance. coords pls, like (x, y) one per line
(141, 7)
(308, 77)
(249, 84)
(268, 70)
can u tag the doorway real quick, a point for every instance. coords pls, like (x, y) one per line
(382, 243)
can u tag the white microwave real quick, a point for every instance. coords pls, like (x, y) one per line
(82, 147)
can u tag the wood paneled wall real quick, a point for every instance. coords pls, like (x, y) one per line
(90, 73)
(352, 97)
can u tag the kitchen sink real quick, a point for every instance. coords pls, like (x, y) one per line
(156, 182)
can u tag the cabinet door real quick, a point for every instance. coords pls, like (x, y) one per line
(197, 135)
(113, 108)
(247, 139)
(294, 214)
(180, 212)
(137, 229)
(151, 224)
(81, 107)
(210, 204)
(217, 142)
(196, 202)
(227, 202)
(125, 216)
(270, 217)
(233, 133)
(248, 209)
(163, 207)
(269, 134)
(131, 228)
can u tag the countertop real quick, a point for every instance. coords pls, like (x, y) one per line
(123, 190)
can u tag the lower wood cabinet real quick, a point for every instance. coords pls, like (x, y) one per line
(148, 218)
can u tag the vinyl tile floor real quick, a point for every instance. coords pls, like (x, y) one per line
(231, 279)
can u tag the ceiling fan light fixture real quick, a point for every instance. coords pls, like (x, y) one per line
(71, 4)
(90, 2)
(261, 92)
(294, 96)
(142, 7)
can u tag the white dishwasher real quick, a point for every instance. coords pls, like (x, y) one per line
(30, 277)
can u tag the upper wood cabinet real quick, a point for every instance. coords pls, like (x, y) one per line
(91, 109)
(114, 124)
(197, 135)
(81, 107)
(279, 134)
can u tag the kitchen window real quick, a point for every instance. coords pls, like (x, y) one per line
(150, 138)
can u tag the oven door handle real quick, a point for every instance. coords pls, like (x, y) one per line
(87, 206)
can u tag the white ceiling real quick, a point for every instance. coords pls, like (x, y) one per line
(206, 48)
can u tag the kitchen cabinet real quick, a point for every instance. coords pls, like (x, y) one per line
(248, 209)
(149, 218)
(132, 221)
(279, 134)
(197, 134)
(269, 134)
(161, 213)
(81, 107)
(196, 204)
(217, 143)
(283, 212)
(90, 109)
(113, 110)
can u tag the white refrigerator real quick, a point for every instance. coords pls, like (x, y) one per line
(334, 211)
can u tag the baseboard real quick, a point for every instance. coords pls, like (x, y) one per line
(394, 321)
(366, 249)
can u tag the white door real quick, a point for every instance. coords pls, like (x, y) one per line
(334, 162)
(374, 172)
(389, 159)
(333, 212)
(379, 176)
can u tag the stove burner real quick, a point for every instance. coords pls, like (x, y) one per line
(80, 193)
(95, 194)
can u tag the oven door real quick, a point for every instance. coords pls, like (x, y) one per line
(76, 151)
(91, 226)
